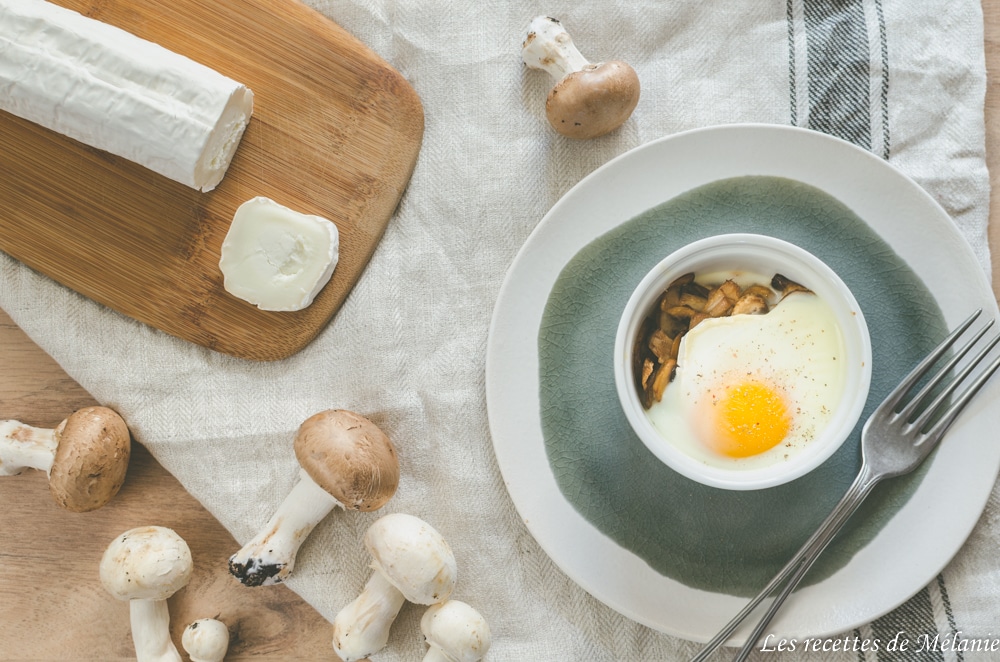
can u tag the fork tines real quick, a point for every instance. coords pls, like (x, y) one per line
(932, 409)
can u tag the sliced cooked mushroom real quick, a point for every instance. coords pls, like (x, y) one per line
(719, 302)
(672, 295)
(698, 319)
(682, 281)
(661, 377)
(647, 370)
(722, 299)
(693, 301)
(673, 326)
(660, 344)
(682, 312)
(750, 304)
(763, 291)
(683, 305)
(786, 286)
(675, 349)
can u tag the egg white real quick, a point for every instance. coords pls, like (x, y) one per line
(797, 348)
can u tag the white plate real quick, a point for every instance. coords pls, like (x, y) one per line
(929, 528)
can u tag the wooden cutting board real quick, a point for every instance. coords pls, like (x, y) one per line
(335, 132)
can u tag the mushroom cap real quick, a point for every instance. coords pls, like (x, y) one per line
(413, 557)
(349, 457)
(91, 459)
(146, 563)
(593, 101)
(457, 630)
(206, 640)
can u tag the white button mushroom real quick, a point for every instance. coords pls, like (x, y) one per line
(455, 632)
(346, 461)
(85, 456)
(411, 561)
(588, 100)
(206, 640)
(145, 566)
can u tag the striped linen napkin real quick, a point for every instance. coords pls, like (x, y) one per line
(902, 78)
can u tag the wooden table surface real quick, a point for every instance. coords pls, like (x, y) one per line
(52, 606)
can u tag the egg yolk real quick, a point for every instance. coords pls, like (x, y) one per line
(750, 418)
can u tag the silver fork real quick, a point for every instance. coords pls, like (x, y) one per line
(895, 439)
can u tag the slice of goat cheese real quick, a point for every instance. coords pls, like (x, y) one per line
(276, 258)
(114, 91)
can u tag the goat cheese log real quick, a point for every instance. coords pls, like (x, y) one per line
(111, 90)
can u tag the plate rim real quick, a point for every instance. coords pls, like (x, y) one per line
(742, 135)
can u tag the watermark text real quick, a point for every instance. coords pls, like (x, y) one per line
(901, 642)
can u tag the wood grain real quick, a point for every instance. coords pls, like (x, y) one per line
(991, 16)
(51, 604)
(335, 132)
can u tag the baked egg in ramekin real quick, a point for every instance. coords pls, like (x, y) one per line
(742, 361)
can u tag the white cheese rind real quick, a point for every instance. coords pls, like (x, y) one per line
(276, 258)
(114, 91)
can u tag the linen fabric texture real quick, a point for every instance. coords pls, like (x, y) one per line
(902, 78)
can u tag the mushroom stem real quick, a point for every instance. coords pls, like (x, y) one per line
(25, 447)
(436, 655)
(269, 557)
(150, 621)
(85, 457)
(362, 627)
(145, 566)
(549, 47)
(411, 562)
(588, 99)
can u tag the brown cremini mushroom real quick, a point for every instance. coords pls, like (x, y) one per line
(588, 99)
(85, 456)
(346, 461)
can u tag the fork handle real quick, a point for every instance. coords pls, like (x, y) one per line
(829, 532)
(797, 566)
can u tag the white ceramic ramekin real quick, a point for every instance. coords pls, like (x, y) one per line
(760, 255)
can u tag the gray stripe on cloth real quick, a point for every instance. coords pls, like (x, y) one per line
(839, 69)
(944, 616)
(792, 96)
(847, 78)
(906, 625)
(949, 614)
(860, 637)
(883, 51)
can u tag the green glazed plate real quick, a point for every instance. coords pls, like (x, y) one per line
(672, 554)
